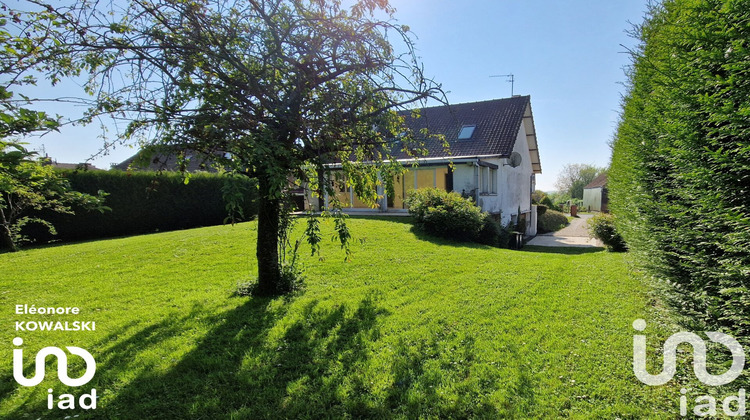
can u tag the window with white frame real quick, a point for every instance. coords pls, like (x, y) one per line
(488, 180)
(493, 181)
(485, 179)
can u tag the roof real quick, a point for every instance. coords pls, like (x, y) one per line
(598, 182)
(72, 166)
(166, 161)
(497, 123)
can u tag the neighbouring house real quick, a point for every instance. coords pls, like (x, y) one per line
(493, 152)
(85, 166)
(189, 161)
(595, 196)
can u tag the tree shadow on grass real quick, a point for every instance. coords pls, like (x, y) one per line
(562, 250)
(262, 360)
(115, 364)
(437, 240)
(408, 220)
(254, 363)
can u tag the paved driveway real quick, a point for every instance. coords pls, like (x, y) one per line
(576, 234)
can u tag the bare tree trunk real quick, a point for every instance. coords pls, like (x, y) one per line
(6, 240)
(267, 251)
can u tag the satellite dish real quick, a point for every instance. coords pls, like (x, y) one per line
(515, 160)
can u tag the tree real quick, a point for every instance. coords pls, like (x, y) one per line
(574, 177)
(26, 184)
(281, 88)
(537, 196)
(681, 157)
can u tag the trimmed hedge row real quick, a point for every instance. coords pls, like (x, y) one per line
(144, 202)
(551, 221)
(681, 158)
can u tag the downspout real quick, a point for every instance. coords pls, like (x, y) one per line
(476, 182)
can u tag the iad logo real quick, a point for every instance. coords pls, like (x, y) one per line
(62, 365)
(66, 401)
(699, 357)
(705, 405)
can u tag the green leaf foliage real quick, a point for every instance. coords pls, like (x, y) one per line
(449, 215)
(29, 187)
(680, 175)
(143, 202)
(602, 227)
(551, 221)
(281, 89)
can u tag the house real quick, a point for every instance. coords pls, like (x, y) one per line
(169, 160)
(493, 158)
(84, 166)
(595, 197)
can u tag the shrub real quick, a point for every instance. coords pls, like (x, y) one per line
(446, 214)
(541, 209)
(503, 236)
(144, 202)
(551, 221)
(602, 227)
(449, 215)
(546, 201)
(493, 233)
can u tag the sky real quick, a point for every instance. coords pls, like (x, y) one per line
(568, 55)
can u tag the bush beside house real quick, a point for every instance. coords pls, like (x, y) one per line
(448, 215)
(144, 202)
(550, 221)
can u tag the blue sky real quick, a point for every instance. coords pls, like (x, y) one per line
(566, 54)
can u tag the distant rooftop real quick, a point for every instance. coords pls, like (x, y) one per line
(72, 166)
(598, 182)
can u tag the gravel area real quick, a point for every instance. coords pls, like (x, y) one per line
(577, 228)
(576, 234)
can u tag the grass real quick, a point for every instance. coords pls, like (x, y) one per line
(411, 327)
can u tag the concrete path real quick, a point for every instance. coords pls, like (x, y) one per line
(576, 234)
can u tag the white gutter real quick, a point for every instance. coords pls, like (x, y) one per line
(451, 159)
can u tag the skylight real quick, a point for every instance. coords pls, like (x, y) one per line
(466, 132)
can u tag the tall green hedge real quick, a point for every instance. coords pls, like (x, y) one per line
(680, 176)
(144, 202)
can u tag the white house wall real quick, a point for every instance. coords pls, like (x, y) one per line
(515, 183)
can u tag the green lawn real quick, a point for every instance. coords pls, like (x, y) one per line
(411, 327)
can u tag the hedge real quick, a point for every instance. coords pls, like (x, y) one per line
(681, 158)
(144, 202)
(551, 221)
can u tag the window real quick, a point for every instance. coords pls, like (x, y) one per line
(488, 179)
(493, 181)
(485, 180)
(466, 132)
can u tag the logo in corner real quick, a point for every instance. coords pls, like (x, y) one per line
(699, 357)
(62, 365)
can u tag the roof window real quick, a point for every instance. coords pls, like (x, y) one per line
(466, 132)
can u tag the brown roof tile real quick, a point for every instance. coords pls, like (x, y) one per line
(598, 182)
(497, 123)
